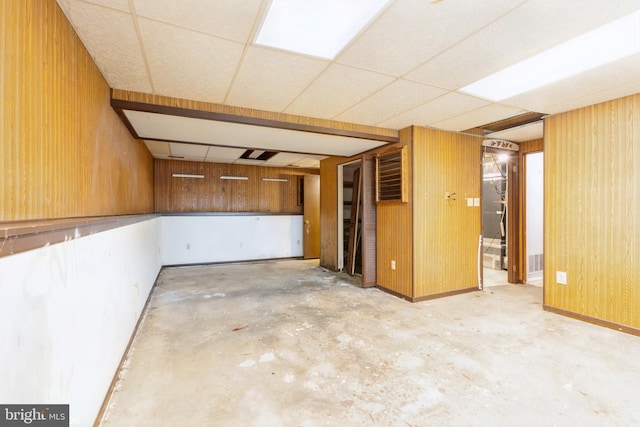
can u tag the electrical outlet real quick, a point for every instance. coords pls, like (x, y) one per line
(561, 277)
(393, 264)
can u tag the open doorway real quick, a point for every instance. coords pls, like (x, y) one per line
(534, 217)
(350, 217)
(496, 164)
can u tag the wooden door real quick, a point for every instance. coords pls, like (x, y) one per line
(311, 226)
(369, 221)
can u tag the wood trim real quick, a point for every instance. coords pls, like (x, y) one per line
(119, 105)
(395, 293)
(592, 320)
(244, 261)
(444, 294)
(513, 222)
(427, 297)
(249, 112)
(22, 236)
(125, 354)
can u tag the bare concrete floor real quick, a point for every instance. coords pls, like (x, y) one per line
(290, 344)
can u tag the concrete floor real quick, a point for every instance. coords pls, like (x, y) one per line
(289, 344)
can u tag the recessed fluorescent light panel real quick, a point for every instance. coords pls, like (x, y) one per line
(187, 175)
(236, 178)
(605, 44)
(316, 27)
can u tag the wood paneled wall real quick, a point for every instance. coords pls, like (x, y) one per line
(445, 232)
(64, 152)
(395, 231)
(592, 211)
(329, 211)
(211, 194)
(249, 112)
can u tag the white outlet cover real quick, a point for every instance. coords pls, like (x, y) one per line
(561, 277)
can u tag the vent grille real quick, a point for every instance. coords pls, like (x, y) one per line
(536, 263)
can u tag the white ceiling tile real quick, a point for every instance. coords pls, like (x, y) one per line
(284, 159)
(412, 31)
(307, 162)
(110, 36)
(178, 128)
(122, 5)
(535, 26)
(269, 79)
(481, 116)
(229, 19)
(191, 151)
(391, 101)
(522, 133)
(187, 64)
(249, 162)
(218, 154)
(158, 148)
(444, 107)
(337, 89)
(591, 87)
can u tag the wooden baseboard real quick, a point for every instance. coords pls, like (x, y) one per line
(444, 294)
(394, 293)
(427, 297)
(593, 320)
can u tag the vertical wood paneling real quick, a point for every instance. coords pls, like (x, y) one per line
(592, 211)
(329, 212)
(445, 232)
(64, 151)
(395, 232)
(369, 221)
(211, 194)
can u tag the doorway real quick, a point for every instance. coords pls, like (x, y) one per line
(496, 166)
(534, 217)
(350, 217)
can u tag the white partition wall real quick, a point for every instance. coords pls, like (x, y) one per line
(67, 312)
(193, 239)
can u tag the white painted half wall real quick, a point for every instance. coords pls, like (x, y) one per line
(193, 239)
(67, 312)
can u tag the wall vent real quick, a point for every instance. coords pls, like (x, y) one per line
(536, 263)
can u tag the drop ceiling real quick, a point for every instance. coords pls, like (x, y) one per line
(405, 68)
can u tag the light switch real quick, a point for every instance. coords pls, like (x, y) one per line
(476, 201)
(470, 201)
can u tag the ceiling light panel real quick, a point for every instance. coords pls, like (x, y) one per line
(605, 44)
(488, 50)
(316, 27)
(410, 32)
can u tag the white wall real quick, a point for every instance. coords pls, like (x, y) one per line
(67, 312)
(534, 191)
(220, 238)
